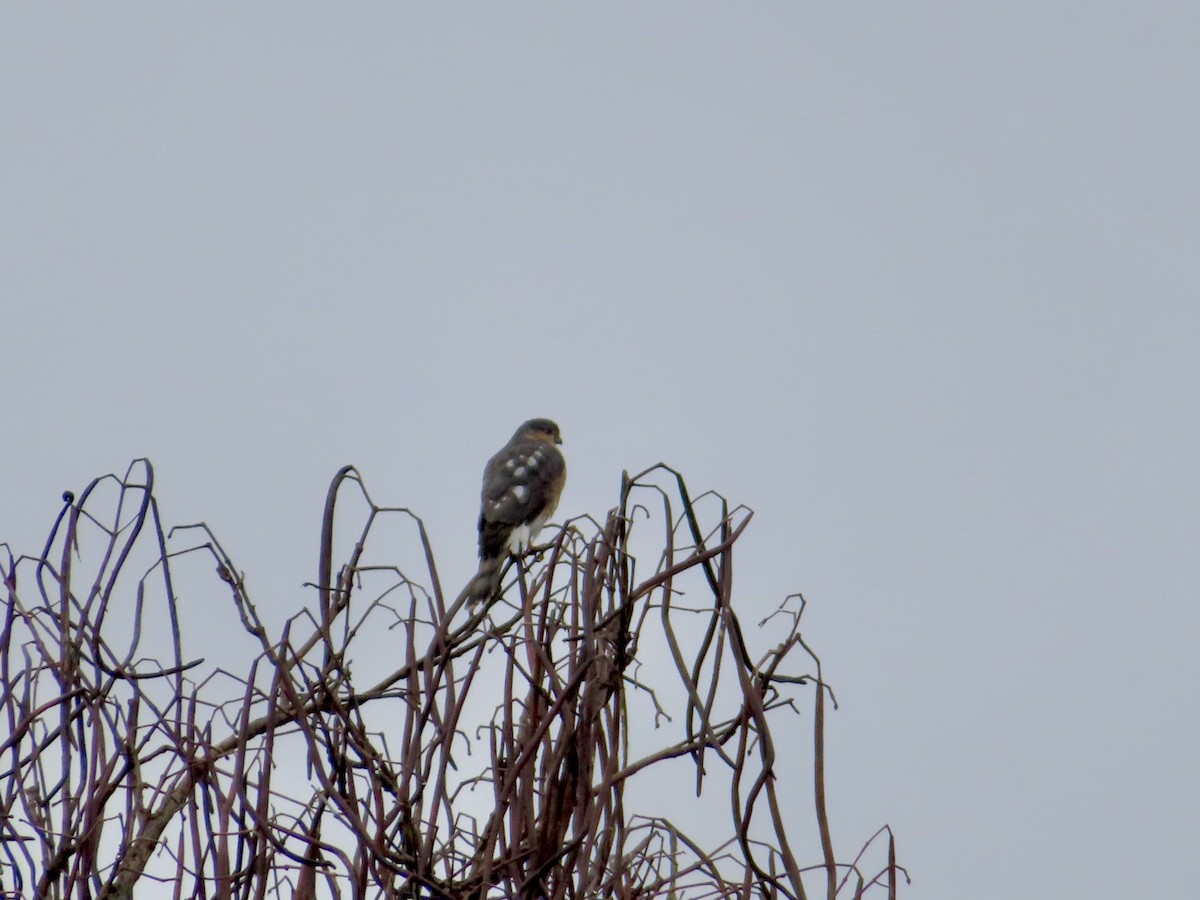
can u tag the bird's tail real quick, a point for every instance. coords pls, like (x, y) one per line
(486, 583)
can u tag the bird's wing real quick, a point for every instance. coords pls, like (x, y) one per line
(521, 483)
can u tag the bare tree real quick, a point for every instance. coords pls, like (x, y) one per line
(510, 751)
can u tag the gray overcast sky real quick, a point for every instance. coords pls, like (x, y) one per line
(918, 282)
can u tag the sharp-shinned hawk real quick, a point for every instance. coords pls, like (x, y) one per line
(521, 487)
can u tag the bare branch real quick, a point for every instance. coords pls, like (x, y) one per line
(383, 742)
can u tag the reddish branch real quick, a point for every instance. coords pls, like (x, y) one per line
(495, 760)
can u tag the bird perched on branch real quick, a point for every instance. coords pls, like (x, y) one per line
(521, 487)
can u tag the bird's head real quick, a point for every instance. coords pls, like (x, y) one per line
(543, 430)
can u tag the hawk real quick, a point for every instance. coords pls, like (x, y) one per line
(521, 487)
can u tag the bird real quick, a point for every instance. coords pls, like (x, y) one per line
(521, 486)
